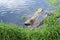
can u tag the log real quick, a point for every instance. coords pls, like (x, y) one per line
(33, 18)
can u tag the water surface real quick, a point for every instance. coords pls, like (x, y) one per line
(11, 11)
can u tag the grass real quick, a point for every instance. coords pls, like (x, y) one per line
(50, 31)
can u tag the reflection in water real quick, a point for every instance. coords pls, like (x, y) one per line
(11, 11)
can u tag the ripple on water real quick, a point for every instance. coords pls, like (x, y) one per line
(12, 10)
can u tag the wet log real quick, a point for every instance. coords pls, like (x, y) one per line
(33, 18)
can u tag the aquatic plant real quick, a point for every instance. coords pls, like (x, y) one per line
(24, 17)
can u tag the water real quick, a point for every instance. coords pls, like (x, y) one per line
(11, 11)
